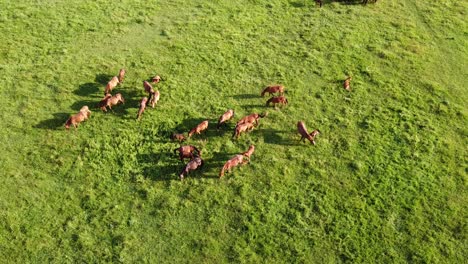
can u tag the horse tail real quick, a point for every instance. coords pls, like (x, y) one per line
(68, 123)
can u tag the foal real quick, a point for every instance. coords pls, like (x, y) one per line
(301, 128)
(82, 115)
(193, 164)
(228, 115)
(111, 84)
(251, 118)
(244, 127)
(346, 83)
(233, 162)
(142, 107)
(178, 137)
(272, 89)
(113, 100)
(277, 100)
(121, 75)
(187, 151)
(199, 128)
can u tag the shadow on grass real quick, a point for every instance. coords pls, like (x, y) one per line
(87, 89)
(57, 122)
(311, 3)
(246, 96)
(103, 78)
(273, 136)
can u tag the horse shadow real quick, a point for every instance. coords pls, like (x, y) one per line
(303, 3)
(274, 136)
(159, 166)
(103, 78)
(57, 122)
(87, 89)
(245, 96)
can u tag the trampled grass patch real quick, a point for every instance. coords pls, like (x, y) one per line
(386, 181)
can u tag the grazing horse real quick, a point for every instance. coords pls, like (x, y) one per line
(113, 100)
(277, 100)
(272, 89)
(148, 87)
(346, 83)
(199, 128)
(251, 118)
(244, 127)
(225, 117)
(156, 79)
(142, 107)
(155, 98)
(301, 128)
(233, 162)
(178, 137)
(111, 84)
(194, 164)
(249, 152)
(103, 102)
(82, 115)
(187, 151)
(121, 75)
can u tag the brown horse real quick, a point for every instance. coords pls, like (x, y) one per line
(277, 100)
(249, 152)
(301, 128)
(251, 118)
(113, 100)
(228, 115)
(156, 79)
(121, 75)
(178, 137)
(272, 89)
(233, 162)
(346, 83)
(199, 128)
(142, 107)
(244, 127)
(192, 165)
(82, 115)
(111, 84)
(155, 98)
(187, 151)
(103, 102)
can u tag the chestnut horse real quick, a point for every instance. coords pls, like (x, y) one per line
(103, 102)
(199, 128)
(156, 79)
(178, 137)
(233, 162)
(244, 127)
(272, 89)
(142, 107)
(111, 84)
(346, 83)
(251, 118)
(228, 115)
(192, 165)
(249, 152)
(121, 75)
(82, 115)
(113, 100)
(277, 100)
(155, 98)
(187, 151)
(301, 128)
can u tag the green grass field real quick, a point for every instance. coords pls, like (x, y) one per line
(386, 182)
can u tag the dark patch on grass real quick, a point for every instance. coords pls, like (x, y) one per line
(103, 78)
(87, 89)
(57, 122)
(246, 96)
(274, 136)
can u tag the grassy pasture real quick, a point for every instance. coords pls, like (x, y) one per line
(386, 182)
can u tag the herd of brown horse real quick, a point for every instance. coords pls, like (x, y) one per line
(245, 124)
